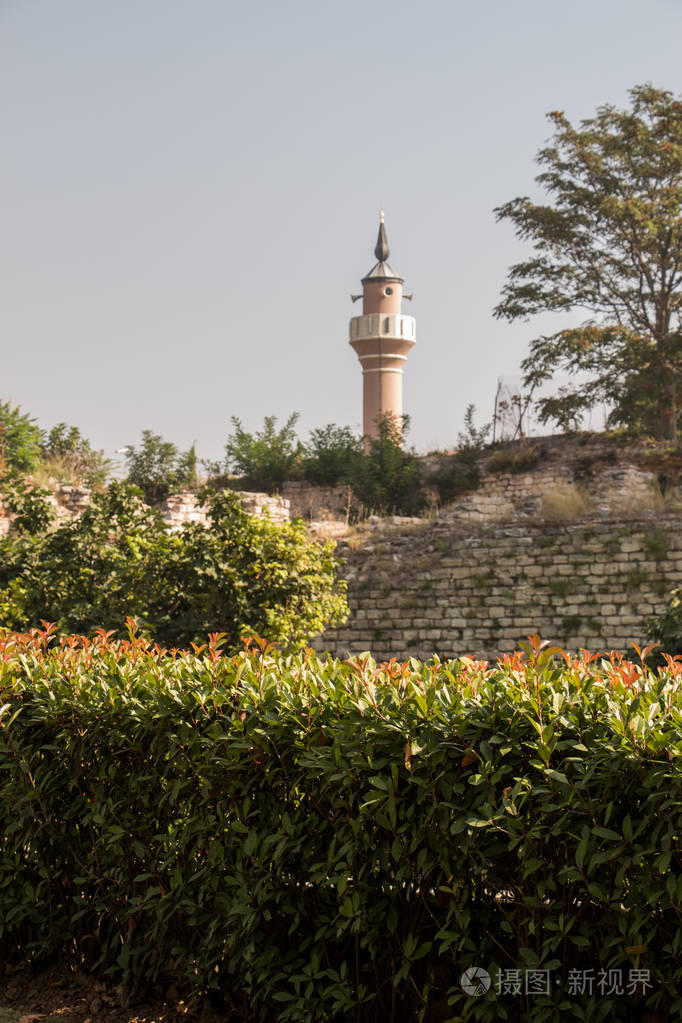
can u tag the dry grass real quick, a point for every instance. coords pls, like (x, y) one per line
(562, 504)
(61, 469)
(648, 500)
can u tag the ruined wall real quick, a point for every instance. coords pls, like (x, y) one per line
(433, 588)
(493, 567)
(315, 503)
(178, 509)
(70, 501)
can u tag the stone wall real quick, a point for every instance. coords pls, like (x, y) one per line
(175, 511)
(436, 588)
(504, 496)
(178, 509)
(318, 504)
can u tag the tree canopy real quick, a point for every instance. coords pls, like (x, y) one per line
(235, 575)
(267, 458)
(608, 243)
(65, 448)
(20, 439)
(331, 455)
(158, 468)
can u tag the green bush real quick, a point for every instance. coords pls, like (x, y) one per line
(513, 462)
(265, 459)
(331, 455)
(118, 559)
(455, 475)
(20, 439)
(666, 628)
(335, 841)
(158, 468)
(32, 511)
(67, 455)
(388, 479)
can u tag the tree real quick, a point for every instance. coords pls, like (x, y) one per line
(266, 458)
(331, 455)
(65, 449)
(609, 242)
(236, 575)
(158, 468)
(19, 440)
(387, 478)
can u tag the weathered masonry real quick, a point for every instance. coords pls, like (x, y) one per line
(438, 589)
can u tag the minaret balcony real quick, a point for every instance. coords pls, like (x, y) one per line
(374, 325)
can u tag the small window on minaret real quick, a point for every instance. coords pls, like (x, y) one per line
(402, 324)
(386, 325)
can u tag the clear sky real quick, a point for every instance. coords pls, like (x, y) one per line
(191, 192)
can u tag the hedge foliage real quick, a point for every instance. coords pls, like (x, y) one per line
(326, 840)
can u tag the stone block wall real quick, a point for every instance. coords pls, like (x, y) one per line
(434, 589)
(175, 510)
(178, 509)
(317, 503)
(504, 496)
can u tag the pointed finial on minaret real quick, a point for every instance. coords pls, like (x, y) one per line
(382, 251)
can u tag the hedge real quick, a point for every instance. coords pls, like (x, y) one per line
(325, 840)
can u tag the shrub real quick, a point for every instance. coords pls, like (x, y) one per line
(69, 457)
(387, 478)
(657, 544)
(513, 462)
(158, 468)
(19, 440)
(118, 559)
(32, 511)
(340, 841)
(666, 628)
(473, 439)
(267, 458)
(455, 475)
(331, 455)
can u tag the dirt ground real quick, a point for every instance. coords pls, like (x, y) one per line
(66, 994)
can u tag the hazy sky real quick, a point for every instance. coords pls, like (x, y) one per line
(191, 192)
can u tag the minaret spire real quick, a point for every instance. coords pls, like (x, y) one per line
(382, 251)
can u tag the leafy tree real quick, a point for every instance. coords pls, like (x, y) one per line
(266, 458)
(236, 575)
(331, 455)
(158, 468)
(387, 478)
(30, 506)
(609, 241)
(19, 440)
(64, 448)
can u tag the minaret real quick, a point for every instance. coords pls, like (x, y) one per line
(381, 337)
